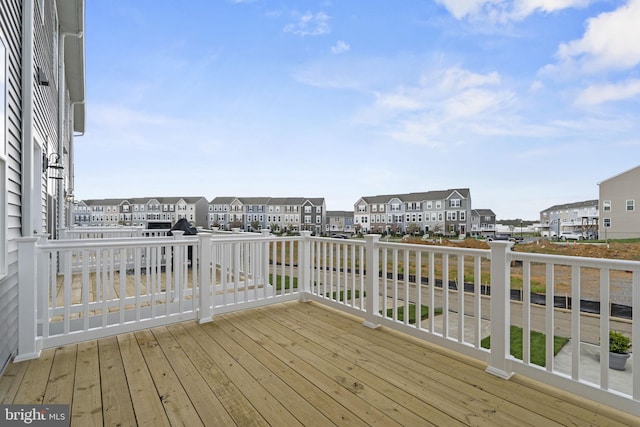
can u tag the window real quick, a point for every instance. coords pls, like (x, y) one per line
(462, 216)
(631, 205)
(454, 203)
(607, 222)
(606, 205)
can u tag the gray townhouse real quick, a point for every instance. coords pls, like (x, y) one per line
(339, 222)
(255, 210)
(446, 212)
(219, 212)
(42, 94)
(285, 213)
(280, 214)
(483, 223)
(619, 210)
(577, 216)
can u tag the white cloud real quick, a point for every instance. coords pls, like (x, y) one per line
(506, 10)
(309, 24)
(445, 107)
(598, 94)
(340, 47)
(611, 42)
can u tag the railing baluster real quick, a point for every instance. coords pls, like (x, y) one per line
(549, 320)
(605, 312)
(576, 338)
(460, 292)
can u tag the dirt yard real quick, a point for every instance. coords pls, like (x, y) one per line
(590, 278)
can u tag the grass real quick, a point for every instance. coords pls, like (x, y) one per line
(537, 346)
(341, 295)
(287, 284)
(424, 313)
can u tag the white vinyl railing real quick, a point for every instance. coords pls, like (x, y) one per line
(119, 231)
(78, 289)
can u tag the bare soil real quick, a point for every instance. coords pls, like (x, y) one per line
(620, 281)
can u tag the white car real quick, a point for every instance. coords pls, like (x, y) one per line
(571, 235)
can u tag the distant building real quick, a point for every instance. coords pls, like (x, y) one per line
(576, 216)
(146, 212)
(446, 212)
(286, 214)
(339, 222)
(619, 197)
(483, 222)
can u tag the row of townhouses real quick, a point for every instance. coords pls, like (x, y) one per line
(614, 215)
(146, 212)
(446, 212)
(226, 213)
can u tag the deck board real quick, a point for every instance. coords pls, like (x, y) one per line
(287, 364)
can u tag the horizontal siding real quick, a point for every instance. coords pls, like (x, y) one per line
(10, 29)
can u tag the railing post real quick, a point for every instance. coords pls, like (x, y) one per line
(178, 265)
(28, 346)
(205, 314)
(304, 266)
(499, 364)
(372, 282)
(263, 263)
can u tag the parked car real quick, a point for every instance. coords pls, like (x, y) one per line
(499, 237)
(571, 235)
(339, 236)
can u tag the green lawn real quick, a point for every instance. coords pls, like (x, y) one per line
(537, 346)
(341, 295)
(424, 313)
(286, 282)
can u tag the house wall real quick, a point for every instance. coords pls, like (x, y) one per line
(10, 173)
(618, 190)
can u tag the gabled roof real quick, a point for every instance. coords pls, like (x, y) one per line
(222, 200)
(286, 201)
(417, 197)
(255, 200)
(339, 213)
(584, 204)
(483, 212)
(620, 174)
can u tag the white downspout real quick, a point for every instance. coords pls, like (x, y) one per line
(62, 92)
(28, 215)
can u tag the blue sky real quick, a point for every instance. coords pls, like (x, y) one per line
(529, 103)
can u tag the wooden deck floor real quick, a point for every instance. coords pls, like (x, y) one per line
(285, 365)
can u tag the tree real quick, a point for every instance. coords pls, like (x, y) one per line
(413, 228)
(236, 224)
(255, 225)
(358, 228)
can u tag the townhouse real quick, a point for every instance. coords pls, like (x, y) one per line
(618, 210)
(483, 222)
(280, 214)
(42, 93)
(446, 212)
(145, 212)
(339, 222)
(577, 216)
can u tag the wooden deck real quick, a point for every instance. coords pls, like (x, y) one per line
(285, 365)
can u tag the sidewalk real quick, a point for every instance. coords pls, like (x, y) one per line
(621, 381)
